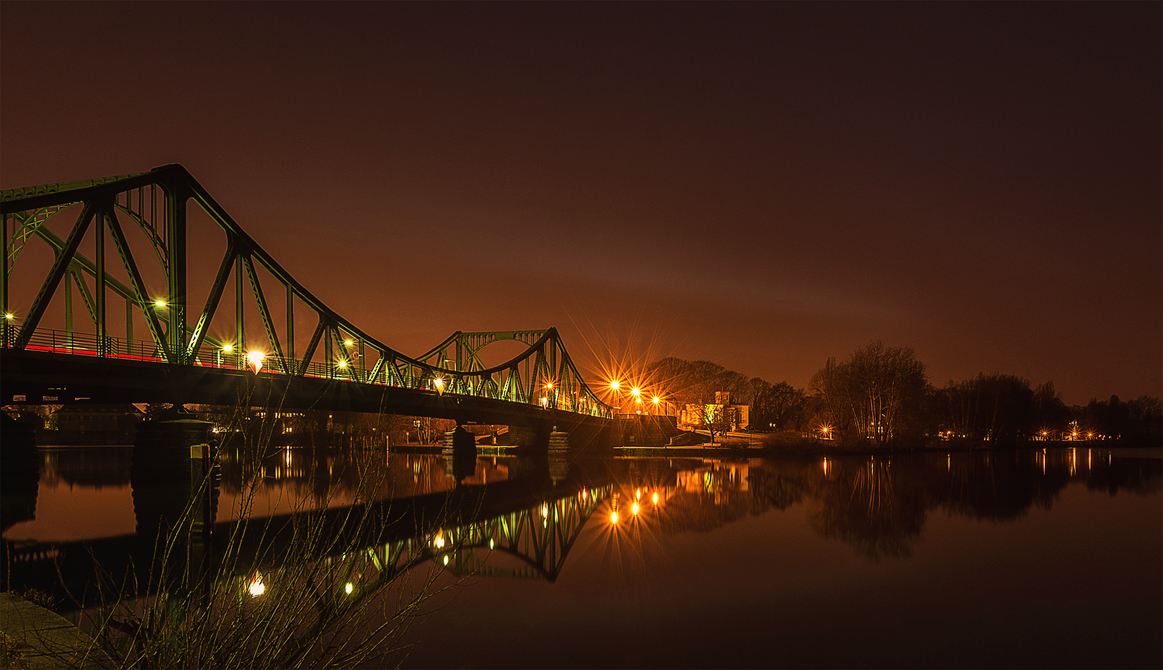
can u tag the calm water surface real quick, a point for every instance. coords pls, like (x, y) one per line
(1031, 558)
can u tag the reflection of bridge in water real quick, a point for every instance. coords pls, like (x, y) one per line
(530, 520)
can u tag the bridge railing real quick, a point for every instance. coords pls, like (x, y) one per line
(88, 344)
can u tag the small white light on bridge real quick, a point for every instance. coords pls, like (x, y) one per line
(348, 343)
(446, 560)
(10, 316)
(342, 364)
(613, 517)
(348, 588)
(634, 509)
(656, 497)
(159, 303)
(227, 348)
(257, 588)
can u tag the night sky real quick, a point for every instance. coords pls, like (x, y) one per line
(759, 185)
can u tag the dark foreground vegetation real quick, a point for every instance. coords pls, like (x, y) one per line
(880, 397)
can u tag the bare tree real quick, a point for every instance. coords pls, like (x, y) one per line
(875, 394)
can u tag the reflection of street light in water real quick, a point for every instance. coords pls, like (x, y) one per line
(257, 588)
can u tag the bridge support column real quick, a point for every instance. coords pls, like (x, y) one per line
(19, 471)
(557, 454)
(460, 455)
(175, 487)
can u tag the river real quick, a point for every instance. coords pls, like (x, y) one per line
(1032, 558)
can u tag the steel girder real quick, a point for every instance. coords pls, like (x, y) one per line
(155, 203)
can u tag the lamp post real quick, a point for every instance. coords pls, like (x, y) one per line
(226, 348)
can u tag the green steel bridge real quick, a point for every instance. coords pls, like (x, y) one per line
(92, 246)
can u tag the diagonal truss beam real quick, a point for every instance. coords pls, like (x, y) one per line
(542, 374)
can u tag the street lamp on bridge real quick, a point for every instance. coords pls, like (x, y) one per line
(226, 349)
(255, 358)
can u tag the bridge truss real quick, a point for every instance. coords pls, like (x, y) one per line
(143, 220)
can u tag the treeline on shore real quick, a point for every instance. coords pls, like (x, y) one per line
(880, 396)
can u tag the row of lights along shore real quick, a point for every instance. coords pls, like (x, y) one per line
(637, 394)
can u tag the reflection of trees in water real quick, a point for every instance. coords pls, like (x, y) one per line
(779, 489)
(1134, 475)
(865, 506)
(699, 498)
(89, 467)
(879, 507)
(699, 512)
(997, 486)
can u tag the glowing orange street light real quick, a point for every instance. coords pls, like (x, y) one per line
(614, 386)
(635, 391)
(439, 384)
(255, 358)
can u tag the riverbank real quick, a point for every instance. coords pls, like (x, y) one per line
(42, 638)
(744, 446)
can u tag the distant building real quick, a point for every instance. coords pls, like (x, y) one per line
(97, 418)
(734, 417)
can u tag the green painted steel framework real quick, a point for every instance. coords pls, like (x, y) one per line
(155, 203)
